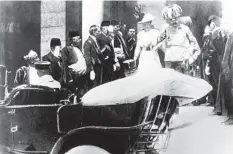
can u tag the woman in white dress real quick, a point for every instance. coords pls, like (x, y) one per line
(146, 42)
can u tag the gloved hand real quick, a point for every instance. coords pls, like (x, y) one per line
(92, 75)
(207, 70)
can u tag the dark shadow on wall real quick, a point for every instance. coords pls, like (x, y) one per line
(199, 11)
(73, 18)
(21, 22)
(120, 10)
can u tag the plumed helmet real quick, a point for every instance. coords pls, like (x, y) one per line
(171, 11)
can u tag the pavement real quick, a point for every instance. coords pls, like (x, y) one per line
(195, 131)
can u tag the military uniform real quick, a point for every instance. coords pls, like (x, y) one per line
(46, 79)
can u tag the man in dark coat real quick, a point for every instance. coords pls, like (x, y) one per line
(131, 41)
(227, 71)
(120, 48)
(216, 51)
(94, 58)
(106, 48)
(74, 65)
(54, 58)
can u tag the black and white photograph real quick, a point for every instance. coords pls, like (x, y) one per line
(116, 77)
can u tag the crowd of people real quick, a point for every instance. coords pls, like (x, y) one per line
(217, 63)
(104, 56)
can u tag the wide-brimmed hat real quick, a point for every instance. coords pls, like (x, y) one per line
(147, 17)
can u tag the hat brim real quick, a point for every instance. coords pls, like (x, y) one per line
(146, 20)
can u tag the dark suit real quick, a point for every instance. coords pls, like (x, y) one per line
(131, 45)
(94, 62)
(120, 42)
(108, 52)
(55, 67)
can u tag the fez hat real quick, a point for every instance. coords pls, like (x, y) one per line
(114, 22)
(55, 42)
(105, 23)
(42, 65)
(73, 34)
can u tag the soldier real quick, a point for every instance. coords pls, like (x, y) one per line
(45, 79)
(181, 46)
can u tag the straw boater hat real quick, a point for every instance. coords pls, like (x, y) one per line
(148, 17)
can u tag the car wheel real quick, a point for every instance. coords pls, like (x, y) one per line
(87, 149)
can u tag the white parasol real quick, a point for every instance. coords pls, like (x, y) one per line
(162, 81)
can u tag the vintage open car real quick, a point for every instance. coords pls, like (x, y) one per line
(40, 120)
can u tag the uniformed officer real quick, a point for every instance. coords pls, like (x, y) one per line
(45, 79)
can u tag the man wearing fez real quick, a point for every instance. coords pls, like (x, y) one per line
(120, 48)
(106, 48)
(94, 58)
(74, 65)
(131, 40)
(45, 79)
(54, 58)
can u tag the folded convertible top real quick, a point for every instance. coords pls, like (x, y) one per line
(162, 81)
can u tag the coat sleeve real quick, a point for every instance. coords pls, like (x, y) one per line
(20, 76)
(228, 51)
(194, 44)
(87, 56)
(45, 58)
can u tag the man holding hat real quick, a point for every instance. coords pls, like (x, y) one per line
(120, 48)
(45, 79)
(74, 64)
(54, 58)
(104, 42)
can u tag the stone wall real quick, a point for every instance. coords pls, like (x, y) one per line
(53, 23)
(20, 32)
(73, 17)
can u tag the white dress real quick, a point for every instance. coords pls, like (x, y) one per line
(148, 59)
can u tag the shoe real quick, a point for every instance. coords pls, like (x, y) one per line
(215, 113)
(229, 121)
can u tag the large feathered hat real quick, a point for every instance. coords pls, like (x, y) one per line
(171, 11)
